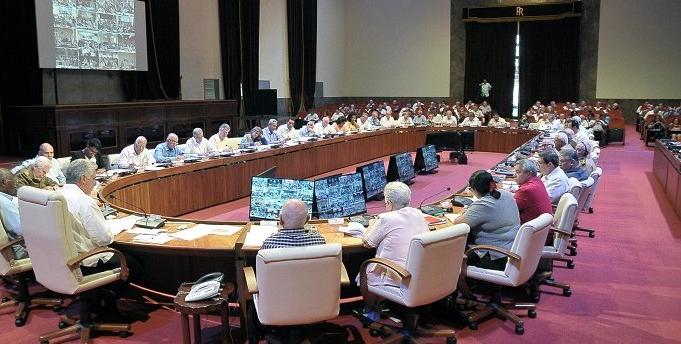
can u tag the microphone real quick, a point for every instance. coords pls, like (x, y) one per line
(147, 221)
(432, 209)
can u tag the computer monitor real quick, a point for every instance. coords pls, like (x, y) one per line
(373, 176)
(269, 173)
(426, 159)
(401, 168)
(268, 195)
(339, 196)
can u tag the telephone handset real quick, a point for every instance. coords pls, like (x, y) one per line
(206, 287)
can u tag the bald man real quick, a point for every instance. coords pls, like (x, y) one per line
(36, 175)
(55, 172)
(136, 155)
(293, 217)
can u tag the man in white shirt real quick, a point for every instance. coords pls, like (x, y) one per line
(220, 139)
(136, 155)
(405, 120)
(55, 172)
(471, 121)
(554, 178)
(288, 131)
(485, 88)
(197, 144)
(388, 121)
(497, 122)
(324, 127)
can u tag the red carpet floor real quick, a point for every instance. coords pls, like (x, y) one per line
(626, 284)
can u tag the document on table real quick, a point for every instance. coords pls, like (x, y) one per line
(159, 239)
(452, 217)
(257, 235)
(202, 230)
(122, 224)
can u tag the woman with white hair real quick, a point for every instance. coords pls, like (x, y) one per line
(393, 230)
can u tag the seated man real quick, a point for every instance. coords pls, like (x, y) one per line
(47, 151)
(136, 155)
(168, 151)
(36, 174)
(471, 121)
(561, 140)
(497, 122)
(307, 130)
(92, 152)
(9, 212)
(392, 232)
(270, 133)
(584, 153)
(197, 144)
(293, 216)
(531, 196)
(220, 139)
(324, 127)
(405, 119)
(554, 179)
(288, 131)
(254, 138)
(569, 163)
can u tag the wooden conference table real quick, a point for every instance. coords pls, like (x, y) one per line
(667, 170)
(179, 190)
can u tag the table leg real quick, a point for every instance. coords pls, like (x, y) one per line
(197, 329)
(185, 328)
(224, 311)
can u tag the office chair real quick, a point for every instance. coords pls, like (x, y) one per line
(587, 189)
(523, 259)
(18, 270)
(295, 286)
(47, 226)
(596, 175)
(563, 221)
(431, 273)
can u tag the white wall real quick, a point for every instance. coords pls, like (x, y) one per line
(397, 48)
(199, 46)
(331, 17)
(274, 46)
(639, 49)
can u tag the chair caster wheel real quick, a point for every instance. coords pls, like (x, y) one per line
(573, 252)
(57, 309)
(532, 313)
(62, 325)
(567, 292)
(592, 235)
(519, 329)
(591, 210)
(451, 340)
(571, 265)
(473, 326)
(374, 333)
(19, 322)
(124, 334)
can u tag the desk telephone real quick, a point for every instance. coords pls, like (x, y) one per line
(206, 287)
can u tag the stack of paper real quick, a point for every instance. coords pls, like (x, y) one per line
(353, 229)
(122, 224)
(257, 235)
(158, 239)
(202, 230)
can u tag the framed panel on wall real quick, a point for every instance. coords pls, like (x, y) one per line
(211, 89)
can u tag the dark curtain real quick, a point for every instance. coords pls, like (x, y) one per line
(20, 76)
(250, 31)
(162, 80)
(490, 54)
(294, 16)
(549, 61)
(230, 47)
(309, 14)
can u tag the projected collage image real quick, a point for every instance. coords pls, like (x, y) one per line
(94, 34)
(268, 195)
(339, 196)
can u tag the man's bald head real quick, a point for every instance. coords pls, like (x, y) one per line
(293, 214)
(46, 150)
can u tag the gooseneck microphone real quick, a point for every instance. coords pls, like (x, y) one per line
(147, 221)
(433, 210)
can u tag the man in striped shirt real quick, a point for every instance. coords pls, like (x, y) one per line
(293, 217)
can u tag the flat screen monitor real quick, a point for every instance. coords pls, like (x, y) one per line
(426, 159)
(401, 168)
(268, 195)
(339, 196)
(373, 176)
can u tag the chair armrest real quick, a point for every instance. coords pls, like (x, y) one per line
(251, 282)
(73, 263)
(493, 248)
(11, 243)
(345, 279)
(553, 229)
(400, 271)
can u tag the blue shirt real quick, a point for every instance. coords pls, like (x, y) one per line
(164, 154)
(271, 135)
(9, 215)
(579, 173)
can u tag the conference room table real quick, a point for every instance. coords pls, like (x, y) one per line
(178, 190)
(667, 170)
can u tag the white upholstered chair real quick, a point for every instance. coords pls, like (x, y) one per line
(18, 270)
(64, 163)
(587, 189)
(296, 286)
(431, 273)
(575, 187)
(523, 259)
(46, 223)
(596, 175)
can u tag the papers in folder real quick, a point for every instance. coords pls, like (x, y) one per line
(257, 235)
(125, 223)
(202, 230)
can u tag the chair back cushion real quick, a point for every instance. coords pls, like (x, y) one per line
(587, 187)
(298, 285)
(434, 262)
(46, 225)
(528, 244)
(5, 258)
(596, 175)
(564, 219)
(575, 186)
